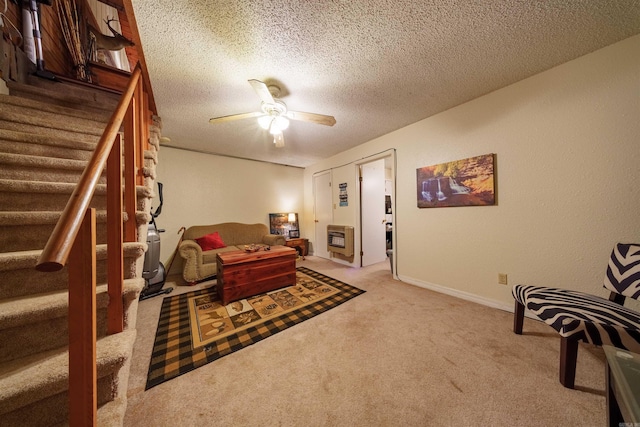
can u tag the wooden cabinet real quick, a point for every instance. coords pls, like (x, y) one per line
(301, 245)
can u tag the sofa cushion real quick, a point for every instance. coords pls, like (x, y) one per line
(210, 256)
(211, 241)
(233, 233)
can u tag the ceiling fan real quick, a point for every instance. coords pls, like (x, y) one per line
(274, 115)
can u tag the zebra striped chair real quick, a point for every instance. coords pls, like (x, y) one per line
(578, 316)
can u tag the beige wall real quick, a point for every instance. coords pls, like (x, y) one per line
(567, 144)
(202, 189)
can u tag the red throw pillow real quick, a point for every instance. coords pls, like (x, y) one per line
(211, 241)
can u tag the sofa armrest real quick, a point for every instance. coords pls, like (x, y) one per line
(273, 239)
(190, 248)
(194, 268)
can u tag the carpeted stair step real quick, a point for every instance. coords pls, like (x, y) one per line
(22, 231)
(36, 168)
(45, 196)
(25, 320)
(22, 127)
(65, 95)
(33, 391)
(42, 115)
(149, 167)
(17, 119)
(18, 276)
(32, 144)
(49, 196)
(112, 413)
(26, 105)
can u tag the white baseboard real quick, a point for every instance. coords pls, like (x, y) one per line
(458, 294)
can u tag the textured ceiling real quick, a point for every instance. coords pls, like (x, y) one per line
(375, 65)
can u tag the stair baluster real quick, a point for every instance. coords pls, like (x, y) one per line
(115, 254)
(83, 372)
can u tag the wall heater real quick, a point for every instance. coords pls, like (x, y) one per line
(340, 239)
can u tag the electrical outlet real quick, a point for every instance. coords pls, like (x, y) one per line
(502, 278)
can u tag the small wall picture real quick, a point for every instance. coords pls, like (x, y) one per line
(344, 197)
(283, 223)
(466, 182)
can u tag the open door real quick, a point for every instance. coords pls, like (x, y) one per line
(323, 213)
(373, 213)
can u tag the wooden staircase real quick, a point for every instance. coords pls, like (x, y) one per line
(48, 131)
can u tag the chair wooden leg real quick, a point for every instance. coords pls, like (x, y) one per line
(568, 359)
(518, 318)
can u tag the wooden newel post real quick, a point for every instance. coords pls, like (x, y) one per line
(82, 325)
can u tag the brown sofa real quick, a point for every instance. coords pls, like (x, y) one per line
(199, 264)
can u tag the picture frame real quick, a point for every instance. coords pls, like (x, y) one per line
(294, 234)
(465, 182)
(279, 224)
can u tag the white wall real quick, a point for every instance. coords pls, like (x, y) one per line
(202, 189)
(567, 144)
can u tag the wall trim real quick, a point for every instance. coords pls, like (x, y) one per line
(176, 147)
(366, 159)
(458, 294)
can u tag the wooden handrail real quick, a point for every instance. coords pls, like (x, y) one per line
(73, 240)
(56, 252)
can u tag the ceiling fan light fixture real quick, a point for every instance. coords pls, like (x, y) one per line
(282, 122)
(274, 129)
(278, 139)
(265, 122)
(277, 126)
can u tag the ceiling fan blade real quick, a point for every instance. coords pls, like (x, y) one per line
(263, 91)
(320, 119)
(235, 117)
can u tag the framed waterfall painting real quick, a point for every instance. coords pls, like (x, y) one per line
(466, 182)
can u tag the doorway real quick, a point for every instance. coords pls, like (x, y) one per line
(323, 212)
(376, 210)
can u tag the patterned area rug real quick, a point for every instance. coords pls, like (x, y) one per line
(195, 328)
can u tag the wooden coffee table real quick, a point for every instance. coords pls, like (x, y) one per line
(243, 274)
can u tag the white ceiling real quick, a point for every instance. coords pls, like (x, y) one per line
(375, 65)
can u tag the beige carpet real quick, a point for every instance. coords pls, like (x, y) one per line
(398, 355)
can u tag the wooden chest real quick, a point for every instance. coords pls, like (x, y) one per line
(243, 274)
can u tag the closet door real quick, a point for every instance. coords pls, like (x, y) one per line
(323, 213)
(373, 213)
